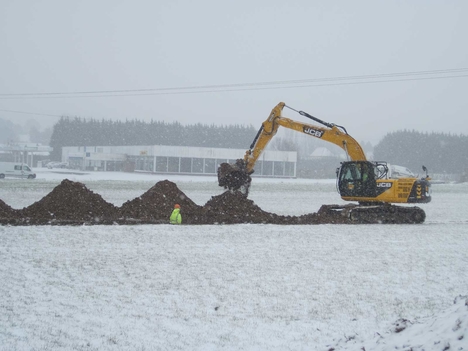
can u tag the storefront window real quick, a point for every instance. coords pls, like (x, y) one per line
(185, 165)
(173, 164)
(210, 165)
(267, 168)
(197, 165)
(289, 169)
(279, 168)
(161, 164)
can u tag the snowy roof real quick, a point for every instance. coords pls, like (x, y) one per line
(321, 152)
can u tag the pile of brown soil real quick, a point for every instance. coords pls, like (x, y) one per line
(7, 212)
(233, 207)
(73, 202)
(157, 204)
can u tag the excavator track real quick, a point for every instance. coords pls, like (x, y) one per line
(375, 214)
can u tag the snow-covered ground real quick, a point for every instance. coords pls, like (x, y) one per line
(233, 287)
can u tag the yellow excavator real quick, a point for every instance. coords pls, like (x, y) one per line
(360, 180)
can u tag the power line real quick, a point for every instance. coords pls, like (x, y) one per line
(285, 84)
(229, 90)
(30, 113)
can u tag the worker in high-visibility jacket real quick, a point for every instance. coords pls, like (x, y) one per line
(176, 217)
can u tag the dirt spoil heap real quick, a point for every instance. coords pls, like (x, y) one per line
(6, 212)
(157, 203)
(70, 202)
(233, 207)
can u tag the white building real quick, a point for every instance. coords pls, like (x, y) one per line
(174, 159)
(23, 152)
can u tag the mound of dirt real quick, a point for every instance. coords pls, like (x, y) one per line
(6, 212)
(158, 202)
(233, 207)
(70, 201)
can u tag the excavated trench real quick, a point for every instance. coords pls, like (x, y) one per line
(71, 203)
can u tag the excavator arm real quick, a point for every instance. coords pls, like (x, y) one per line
(237, 176)
(332, 133)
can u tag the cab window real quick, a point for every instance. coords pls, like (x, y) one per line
(351, 173)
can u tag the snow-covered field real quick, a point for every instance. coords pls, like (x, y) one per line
(233, 287)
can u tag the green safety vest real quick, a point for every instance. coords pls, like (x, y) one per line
(176, 217)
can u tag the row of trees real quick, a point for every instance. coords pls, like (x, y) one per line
(81, 132)
(438, 151)
(441, 153)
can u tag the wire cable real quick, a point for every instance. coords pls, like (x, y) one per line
(332, 81)
(31, 113)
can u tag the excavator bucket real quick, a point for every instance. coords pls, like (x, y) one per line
(234, 176)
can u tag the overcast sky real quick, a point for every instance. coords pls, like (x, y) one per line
(111, 45)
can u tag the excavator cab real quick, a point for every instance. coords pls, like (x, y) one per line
(358, 179)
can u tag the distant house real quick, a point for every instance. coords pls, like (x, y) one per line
(321, 163)
(321, 152)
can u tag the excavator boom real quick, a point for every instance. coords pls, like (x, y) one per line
(237, 176)
(332, 133)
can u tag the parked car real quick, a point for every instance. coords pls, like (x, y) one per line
(51, 165)
(397, 172)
